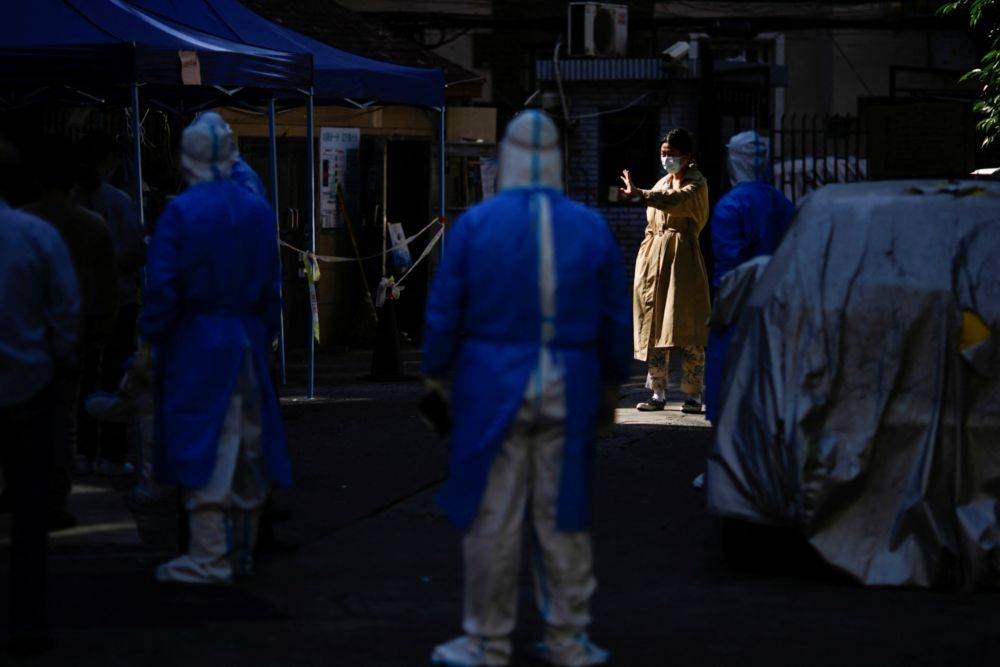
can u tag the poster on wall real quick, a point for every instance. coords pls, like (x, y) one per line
(338, 165)
(488, 170)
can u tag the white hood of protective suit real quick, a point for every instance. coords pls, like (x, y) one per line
(208, 149)
(748, 158)
(529, 153)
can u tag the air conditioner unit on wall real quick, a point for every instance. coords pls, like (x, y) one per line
(598, 29)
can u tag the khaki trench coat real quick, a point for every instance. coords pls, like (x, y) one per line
(670, 304)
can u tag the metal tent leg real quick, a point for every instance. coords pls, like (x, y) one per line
(311, 204)
(137, 153)
(273, 136)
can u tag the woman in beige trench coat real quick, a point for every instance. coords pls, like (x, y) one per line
(670, 303)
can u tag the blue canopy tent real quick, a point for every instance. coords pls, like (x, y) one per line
(338, 76)
(101, 42)
(107, 43)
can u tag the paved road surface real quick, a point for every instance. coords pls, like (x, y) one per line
(375, 581)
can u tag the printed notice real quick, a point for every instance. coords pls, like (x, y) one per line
(338, 166)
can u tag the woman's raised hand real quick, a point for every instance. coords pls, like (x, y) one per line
(627, 180)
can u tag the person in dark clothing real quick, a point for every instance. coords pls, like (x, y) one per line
(96, 161)
(39, 325)
(91, 249)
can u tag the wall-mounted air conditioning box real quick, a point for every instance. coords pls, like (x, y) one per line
(598, 29)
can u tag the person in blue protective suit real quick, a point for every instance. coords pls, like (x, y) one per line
(240, 171)
(211, 312)
(529, 319)
(748, 221)
(248, 178)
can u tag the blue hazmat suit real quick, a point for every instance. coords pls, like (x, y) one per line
(212, 294)
(484, 327)
(248, 178)
(748, 221)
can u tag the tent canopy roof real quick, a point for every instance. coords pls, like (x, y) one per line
(337, 74)
(96, 42)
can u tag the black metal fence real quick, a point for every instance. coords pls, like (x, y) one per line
(810, 150)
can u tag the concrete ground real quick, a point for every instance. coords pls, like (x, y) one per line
(375, 580)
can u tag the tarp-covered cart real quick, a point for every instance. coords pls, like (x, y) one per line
(861, 393)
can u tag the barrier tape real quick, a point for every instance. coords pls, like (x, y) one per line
(390, 288)
(423, 255)
(311, 269)
(330, 259)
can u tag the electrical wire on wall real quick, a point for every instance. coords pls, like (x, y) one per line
(611, 111)
(850, 64)
(565, 111)
(626, 139)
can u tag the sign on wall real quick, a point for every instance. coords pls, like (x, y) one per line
(339, 164)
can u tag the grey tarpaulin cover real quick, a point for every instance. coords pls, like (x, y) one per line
(861, 394)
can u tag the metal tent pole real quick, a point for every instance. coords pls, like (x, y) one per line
(441, 171)
(311, 207)
(273, 135)
(137, 153)
(385, 208)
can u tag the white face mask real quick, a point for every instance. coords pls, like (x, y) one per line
(670, 163)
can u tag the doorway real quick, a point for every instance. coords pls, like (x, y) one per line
(409, 203)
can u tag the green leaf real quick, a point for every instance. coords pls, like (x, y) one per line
(987, 108)
(948, 8)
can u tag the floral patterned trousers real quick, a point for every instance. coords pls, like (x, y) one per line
(692, 370)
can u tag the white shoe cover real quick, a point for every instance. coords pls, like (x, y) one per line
(208, 557)
(468, 651)
(186, 570)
